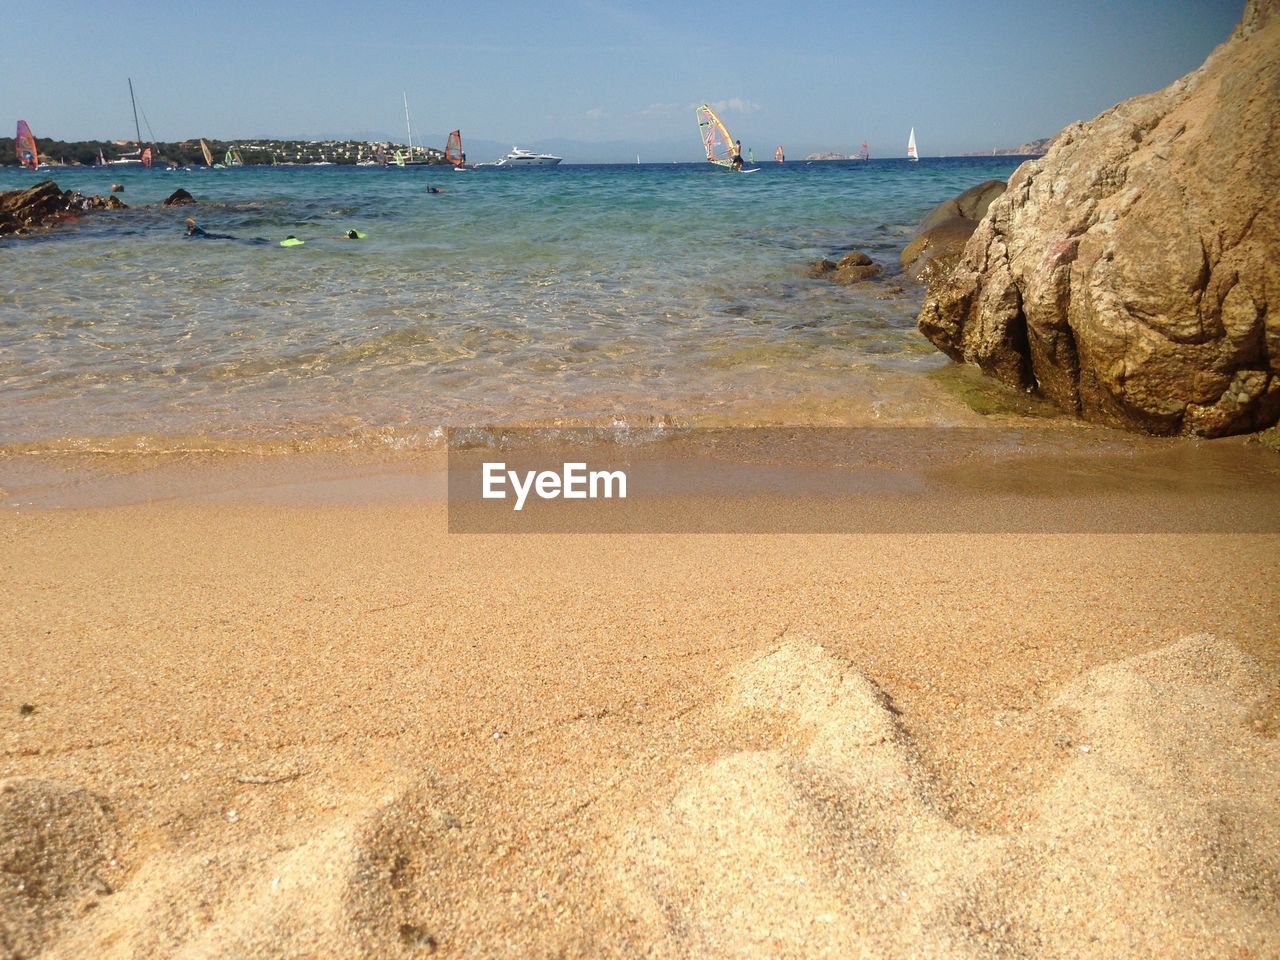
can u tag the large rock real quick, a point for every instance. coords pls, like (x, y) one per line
(1133, 273)
(22, 211)
(940, 239)
(179, 198)
(972, 205)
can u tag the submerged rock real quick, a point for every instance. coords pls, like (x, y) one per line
(941, 237)
(855, 267)
(852, 268)
(1131, 275)
(22, 211)
(179, 198)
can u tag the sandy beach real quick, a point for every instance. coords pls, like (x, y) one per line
(591, 557)
(242, 728)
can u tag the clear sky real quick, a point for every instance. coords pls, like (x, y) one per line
(967, 75)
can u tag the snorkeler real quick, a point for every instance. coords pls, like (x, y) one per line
(195, 230)
(434, 190)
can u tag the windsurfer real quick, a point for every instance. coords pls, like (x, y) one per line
(736, 160)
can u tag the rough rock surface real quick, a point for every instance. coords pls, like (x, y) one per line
(1132, 273)
(179, 198)
(22, 211)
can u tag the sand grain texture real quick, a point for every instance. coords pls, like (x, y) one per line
(338, 731)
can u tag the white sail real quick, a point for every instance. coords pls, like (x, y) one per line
(911, 146)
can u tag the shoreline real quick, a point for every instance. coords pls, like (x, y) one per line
(901, 479)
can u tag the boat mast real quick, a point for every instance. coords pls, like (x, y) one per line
(407, 125)
(136, 129)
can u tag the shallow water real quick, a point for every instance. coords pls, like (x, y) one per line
(575, 294)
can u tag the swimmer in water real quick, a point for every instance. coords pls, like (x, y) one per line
(195, 230)
(434, 190)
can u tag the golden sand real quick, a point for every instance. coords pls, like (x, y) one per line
(257, 730)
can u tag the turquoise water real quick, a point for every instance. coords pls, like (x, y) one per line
(575, 294)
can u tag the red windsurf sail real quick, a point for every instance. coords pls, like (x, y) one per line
(146, 157)
(25, 143)
(453, 151)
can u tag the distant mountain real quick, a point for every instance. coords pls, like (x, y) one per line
(1032, 148)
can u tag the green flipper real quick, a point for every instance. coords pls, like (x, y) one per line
(292, 242)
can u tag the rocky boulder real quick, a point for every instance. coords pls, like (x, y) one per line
(940, 239)
(853, 268)
(971, 205)
(1132, 275)
(22, 211)
(179, 198)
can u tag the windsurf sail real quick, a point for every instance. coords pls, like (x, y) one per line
(453, 150)
(208, 154)
(399, 159)
(911, 146)
(865, 152)
(239, 159)
(229, 159)
(779, 155)
(715, 136)
(381, 155)
(146, 157)
(25, 143)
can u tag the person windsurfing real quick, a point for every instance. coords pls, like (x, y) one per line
(736, 160)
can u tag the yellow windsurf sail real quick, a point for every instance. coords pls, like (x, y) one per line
(715, 136)
(208, 154)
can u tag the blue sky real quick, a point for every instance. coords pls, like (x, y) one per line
(967, 76)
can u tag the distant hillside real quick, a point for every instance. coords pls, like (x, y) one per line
(1032, 148)
(187, 152)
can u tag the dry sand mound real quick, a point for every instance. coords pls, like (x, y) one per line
(55, 850)
(821, 838)
(344, 889)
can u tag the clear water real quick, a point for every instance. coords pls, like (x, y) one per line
(589, 294)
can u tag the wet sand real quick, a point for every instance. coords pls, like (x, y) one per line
(284, 723)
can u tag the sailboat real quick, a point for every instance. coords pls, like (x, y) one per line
(136, 157)
(25, 142)
(911, 147)
(716, 140)
(409, 161)
(453, 151)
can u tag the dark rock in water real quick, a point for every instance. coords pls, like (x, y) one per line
(941, 237)
(855, 268)
(179, 198)
(855, 259)
(22, 211)
(117, 188)
(936, 251)
(1131, 275)
(972, 205)
(852, 268)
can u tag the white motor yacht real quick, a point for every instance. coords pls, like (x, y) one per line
(527, 158)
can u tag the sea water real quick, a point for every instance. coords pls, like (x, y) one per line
(625, 295)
